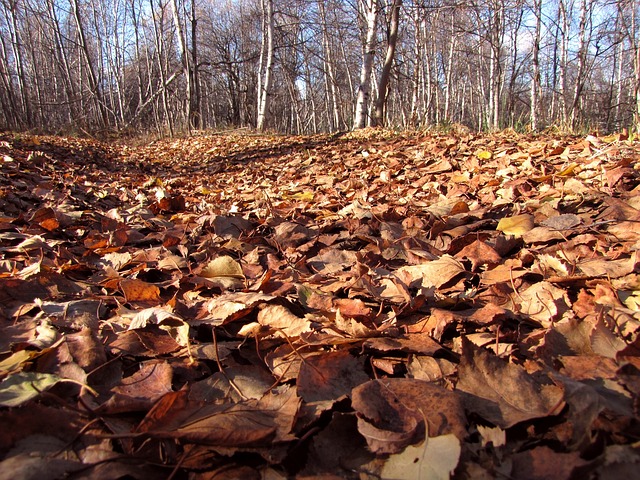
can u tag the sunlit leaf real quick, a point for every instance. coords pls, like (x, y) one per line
(15, 361)
(517, 225)
(137, 290)
(21, 387)
(568, 171)
(174, 325)
(303, 196)
(223, 266)
(631, 300)
(434, 459)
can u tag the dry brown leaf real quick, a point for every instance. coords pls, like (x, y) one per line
(502, 393)
(392, 412)
(231, 306)
(280, 319)
(435, 273)
(480, 254)
(246, 424)
(542, 463)
(329, 377)
(544, 302)
(224, 266)
(141, 390)
(135, 290)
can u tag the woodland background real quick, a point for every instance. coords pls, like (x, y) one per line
(303, 66)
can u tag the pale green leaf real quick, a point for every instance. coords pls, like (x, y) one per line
(22, 387)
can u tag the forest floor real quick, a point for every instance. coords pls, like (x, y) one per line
(366, 305)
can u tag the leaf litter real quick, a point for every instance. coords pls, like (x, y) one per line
(365, 305)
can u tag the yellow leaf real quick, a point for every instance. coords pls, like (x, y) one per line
(303, 196)
(204, 190)
(484, 155)
(614, 137)
(224, 266)
(16, 361)
(631, 300)
(568, 171)
(517, 225)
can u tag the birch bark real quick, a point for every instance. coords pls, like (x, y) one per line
(364, 89)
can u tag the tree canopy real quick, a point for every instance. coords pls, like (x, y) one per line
(176, 65)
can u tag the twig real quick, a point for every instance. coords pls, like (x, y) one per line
(513, 285)
(221, 368)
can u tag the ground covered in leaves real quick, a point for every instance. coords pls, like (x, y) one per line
(369, 305)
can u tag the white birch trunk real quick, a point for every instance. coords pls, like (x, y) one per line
(385, 76)
(265, 83)
(582, 60)
(362, 100)
(535, 81)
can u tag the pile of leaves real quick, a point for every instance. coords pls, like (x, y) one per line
(370, 305)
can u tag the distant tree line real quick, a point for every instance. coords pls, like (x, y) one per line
(307, 66)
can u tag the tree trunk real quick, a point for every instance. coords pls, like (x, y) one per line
(364, 89)
(332, 95)
(582, 61)
(535, 80)
(495, 65)
(449, 71)
(195, 118)
(160, 54)
(383, 82)
(91, 73)
(186, 61)
(563, 21)
(266, 63)
(65, 71)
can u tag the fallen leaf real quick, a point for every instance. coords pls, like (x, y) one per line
(224, 266)
(517, 225)
(136, 290)
(544, 302)
(542, 462)
(436, 458)
(171, 323)
(141, 390)
(21, 387)
(331, 376)
(392, 412)
(283, 321)
(435, 273)
(502, 393)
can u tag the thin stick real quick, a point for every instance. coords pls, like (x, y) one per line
(221, 368)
